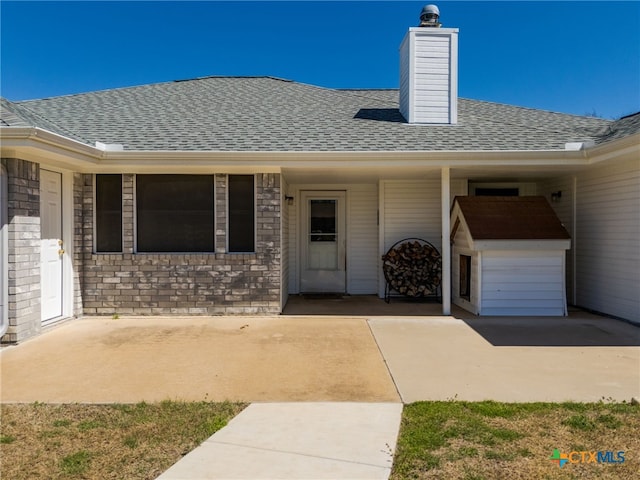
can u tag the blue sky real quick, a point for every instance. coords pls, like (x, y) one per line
(574, 57)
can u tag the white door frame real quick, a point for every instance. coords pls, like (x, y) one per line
(68, 238)
(325, 281)
(4, 252)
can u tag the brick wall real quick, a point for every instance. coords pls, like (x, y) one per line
(79, 181)
(23, 187)
(185, 284)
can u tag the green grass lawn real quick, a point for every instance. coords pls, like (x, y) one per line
(491, 440)
(438, 440)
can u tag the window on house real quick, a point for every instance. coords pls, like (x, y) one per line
(108, 211)
(497, 192)
(175, 213)
(241, 234)
(465, 277)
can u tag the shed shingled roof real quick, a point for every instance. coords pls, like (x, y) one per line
(511, 218)
(270, 114)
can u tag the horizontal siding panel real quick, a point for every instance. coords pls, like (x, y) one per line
(412, 209)
(525, 296)
(424, 84)
(440, 56)
(521, 303)
(517, 286)
(509, 262)
(362, 255)
(523, 277)
(607, 232)
(523, 312)
(433, 118)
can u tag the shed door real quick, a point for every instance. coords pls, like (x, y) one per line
(323, 241)
(51, 245)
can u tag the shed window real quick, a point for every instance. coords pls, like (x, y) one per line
(175, 213)
(108, 213)
(241, 213)
(465, 277)
(497, 192)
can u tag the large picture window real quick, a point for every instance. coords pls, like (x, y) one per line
(175, 213)
(108, 213)
(241, 213)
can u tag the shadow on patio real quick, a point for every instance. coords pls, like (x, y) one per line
(579, 329)
(360, 305)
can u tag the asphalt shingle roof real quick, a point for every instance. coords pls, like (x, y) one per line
(270, 114)
(621, 128)
(511, 218)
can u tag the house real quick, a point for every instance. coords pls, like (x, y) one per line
(508, 256)
(225, 195)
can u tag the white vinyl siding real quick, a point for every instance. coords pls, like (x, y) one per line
(431, 90)
(522, 283)
(362, 239)
(409, 209)
(412, 209)
(564, 210)
(405, 74)
(284, 235)
(607, 239)
(292, 215)
(428, 76)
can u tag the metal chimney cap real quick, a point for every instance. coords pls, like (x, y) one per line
(430, 9)
(429, 16)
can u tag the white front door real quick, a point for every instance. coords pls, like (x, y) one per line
(323, 239)
(51, 245)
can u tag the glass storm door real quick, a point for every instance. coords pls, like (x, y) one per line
(323, 259)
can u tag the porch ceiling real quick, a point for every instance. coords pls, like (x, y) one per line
(350, 175)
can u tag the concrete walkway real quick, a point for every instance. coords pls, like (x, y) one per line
(335, 441)
(359, 369)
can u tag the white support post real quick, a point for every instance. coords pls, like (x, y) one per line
(445, 190)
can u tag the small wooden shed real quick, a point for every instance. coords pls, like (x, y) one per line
(508, 256)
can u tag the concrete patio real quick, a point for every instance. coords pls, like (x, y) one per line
(328, 389)
(361, 358)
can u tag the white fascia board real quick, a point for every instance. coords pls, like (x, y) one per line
(41, 145)
(626, 146)
(484, 245)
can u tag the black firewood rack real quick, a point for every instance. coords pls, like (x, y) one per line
(413, 268)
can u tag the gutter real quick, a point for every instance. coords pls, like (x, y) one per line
(32, 143)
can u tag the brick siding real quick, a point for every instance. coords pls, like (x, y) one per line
(23, 188)
(216, 283)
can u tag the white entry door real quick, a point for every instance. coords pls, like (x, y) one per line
(52, 247)
(323, 252)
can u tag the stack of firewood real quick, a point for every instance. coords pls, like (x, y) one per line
(413, 268)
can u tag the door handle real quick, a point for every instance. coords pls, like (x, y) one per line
(61, 252)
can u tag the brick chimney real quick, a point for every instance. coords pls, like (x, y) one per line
(429, 72)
